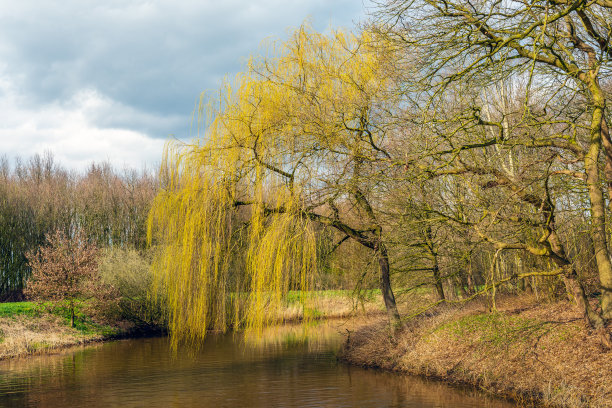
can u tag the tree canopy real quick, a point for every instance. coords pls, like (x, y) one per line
(461, 145)
(297, 134)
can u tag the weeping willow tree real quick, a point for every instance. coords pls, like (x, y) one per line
(295, 137)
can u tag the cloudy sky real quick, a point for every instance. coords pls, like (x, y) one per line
(114, 79)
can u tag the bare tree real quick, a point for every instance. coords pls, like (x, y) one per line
(562, 51)
(64, 270)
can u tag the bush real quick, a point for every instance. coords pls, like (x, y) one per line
(64, 270)
(129, 272)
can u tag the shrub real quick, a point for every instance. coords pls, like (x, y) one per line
(129, 272)
(65, 270)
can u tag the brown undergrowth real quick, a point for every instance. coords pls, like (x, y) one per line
(28, 335)
(528, 351)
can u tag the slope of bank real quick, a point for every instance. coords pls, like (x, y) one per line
(526, 350)
(21, 336)
(26, 328)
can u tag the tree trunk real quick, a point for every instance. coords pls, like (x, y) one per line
(607, 144)
(376, 243)
(607, 147)
(463, 285)
(519, 267)
(438, 280)
(573, 286)
(470, 277)
(429, 240)
(72, 314)
(385, 285)
(598, 217)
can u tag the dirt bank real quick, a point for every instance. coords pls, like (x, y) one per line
(27, 335)
(526, 350)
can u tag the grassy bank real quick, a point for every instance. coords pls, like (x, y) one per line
(528, 351)
(329, 304)
(29, 328)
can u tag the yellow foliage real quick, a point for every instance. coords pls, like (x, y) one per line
(233, 214)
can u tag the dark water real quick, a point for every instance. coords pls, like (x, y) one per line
(279, 369)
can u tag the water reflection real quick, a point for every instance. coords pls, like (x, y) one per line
(271, 372)
(315, 336)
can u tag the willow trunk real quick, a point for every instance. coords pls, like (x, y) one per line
(385, 285)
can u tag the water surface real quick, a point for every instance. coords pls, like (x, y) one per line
(278, 369)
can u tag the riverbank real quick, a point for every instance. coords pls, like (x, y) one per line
(23, 336)
(29, 329)
(528, 351)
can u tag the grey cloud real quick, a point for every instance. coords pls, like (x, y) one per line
(150, 54)
(150, 58)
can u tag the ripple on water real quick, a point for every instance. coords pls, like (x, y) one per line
(267, 372)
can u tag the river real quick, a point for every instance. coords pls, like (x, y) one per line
(281, 368)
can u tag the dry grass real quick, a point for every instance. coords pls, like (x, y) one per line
(333, 306)
(27, 335)
(528, 351)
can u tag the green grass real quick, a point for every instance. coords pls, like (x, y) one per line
(13, 309)
(35, 346)
(496, 329)
(295, 295)
(312, 313)
(83, 323)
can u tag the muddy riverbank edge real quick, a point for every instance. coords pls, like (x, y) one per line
(531, 352)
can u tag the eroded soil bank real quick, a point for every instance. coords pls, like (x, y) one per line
(531, 352)
(23, 336)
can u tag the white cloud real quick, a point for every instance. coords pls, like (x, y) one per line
(67, 130)
(94, 80)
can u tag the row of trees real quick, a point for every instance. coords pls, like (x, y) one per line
(461, 145)
(526, 125)
(38, 197)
